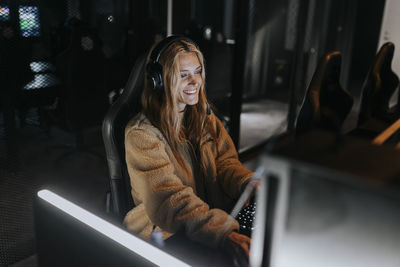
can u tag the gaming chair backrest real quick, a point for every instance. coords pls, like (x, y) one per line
(125, 107)
(326, 104)
(379, 85)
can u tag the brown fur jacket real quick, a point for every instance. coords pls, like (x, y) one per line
(175, 198)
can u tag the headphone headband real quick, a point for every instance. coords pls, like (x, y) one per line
(164, 44)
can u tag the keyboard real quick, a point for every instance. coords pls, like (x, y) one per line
(246, 218)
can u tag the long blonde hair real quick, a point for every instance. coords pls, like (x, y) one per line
(162, 108)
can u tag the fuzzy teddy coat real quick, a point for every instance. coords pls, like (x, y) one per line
(171, 198)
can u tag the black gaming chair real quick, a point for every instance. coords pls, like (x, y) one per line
(125, 107)
(326, 104)
(380, 84)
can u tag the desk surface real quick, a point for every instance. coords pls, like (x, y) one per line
(348, 154)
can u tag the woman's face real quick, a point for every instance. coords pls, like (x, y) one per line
(191, 80)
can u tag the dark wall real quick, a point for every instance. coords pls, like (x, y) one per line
(202, 12)
(147, 18)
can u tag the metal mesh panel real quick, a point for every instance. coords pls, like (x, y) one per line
(16, 217)
(73, 8)
(29, 21)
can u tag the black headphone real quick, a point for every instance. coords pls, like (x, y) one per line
(154, 72)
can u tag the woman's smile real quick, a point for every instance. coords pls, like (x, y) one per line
(190, 92)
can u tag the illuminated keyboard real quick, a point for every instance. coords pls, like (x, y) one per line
(246, 218)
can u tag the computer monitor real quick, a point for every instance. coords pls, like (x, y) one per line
(271, 198)
(29, 21)
(4, 13)
(68, 235)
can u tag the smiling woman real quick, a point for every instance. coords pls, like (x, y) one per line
(184, 169)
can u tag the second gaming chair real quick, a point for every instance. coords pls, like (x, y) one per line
(379, 86)
(326, 104)
(123, 109)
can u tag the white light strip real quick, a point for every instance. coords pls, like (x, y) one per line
(136, 245)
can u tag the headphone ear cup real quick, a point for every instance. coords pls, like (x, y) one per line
(155, 76)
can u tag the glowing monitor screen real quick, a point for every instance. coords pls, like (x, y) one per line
(4, 13)
(29, 21)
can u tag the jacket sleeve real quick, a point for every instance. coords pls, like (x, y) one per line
(168, 202)
(231, 173)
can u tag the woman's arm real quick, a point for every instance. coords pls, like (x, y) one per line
(168, 203)
(230, 171)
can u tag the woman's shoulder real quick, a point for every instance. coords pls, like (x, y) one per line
(141, 123)
(136, 122)
(214, 122)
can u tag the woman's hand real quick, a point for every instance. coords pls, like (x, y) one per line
(238, 246)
